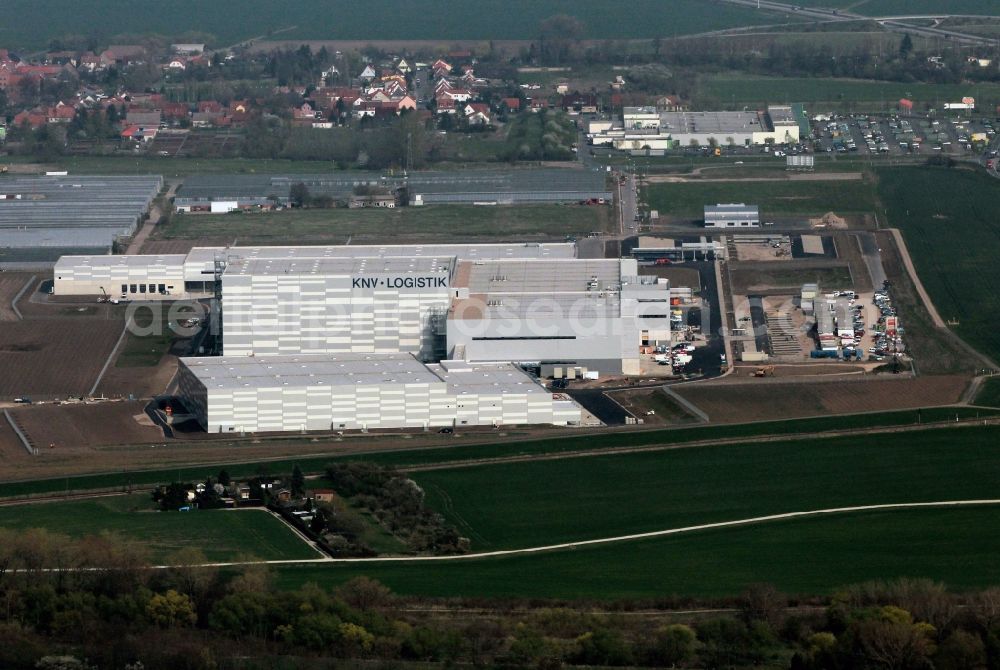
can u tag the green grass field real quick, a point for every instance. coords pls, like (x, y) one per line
(989, 393)
(221, 534)
(737, 90)
(405, 224)
(687, 200)
(180, 167)
(546, 502)
(803, 556)
(954, 242)
(559, 442)
(30, 24)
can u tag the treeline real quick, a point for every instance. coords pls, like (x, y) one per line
(97, 599)
(96, 603)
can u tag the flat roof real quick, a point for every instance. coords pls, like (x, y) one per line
(130, 261)
(544, 277)
(341, 266)
(72, 211)
(353, 369)
(710, 122)
(344, 369)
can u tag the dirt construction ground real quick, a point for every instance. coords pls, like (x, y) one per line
(766, 399)
(46, 359)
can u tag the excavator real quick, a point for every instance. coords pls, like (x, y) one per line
(764, 371)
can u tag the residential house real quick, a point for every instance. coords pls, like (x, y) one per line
(368, 73)
(175, 64)
(403, 66)
(445, 106)
(61, 113)
(363, 108)
(146, 119)
(139, 133)
(537, 104)
(456, 94)
(323, 495)
(440, 68)
(670, 103)
(477, 114)
(512, 104)
(123, 54)
(584, 103)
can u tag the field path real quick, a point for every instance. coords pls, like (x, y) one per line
(620, 538)
(904, 253)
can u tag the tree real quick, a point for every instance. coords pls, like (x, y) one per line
(674, 644)
(298, 194)
(558, 37)
(174, 497)
(298, 479)
(905, 46)
(224, 478)
(171, 609)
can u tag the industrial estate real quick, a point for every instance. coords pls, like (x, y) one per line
(579, 346)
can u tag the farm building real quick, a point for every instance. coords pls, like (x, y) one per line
(649, 128)
(248, 192)
(42, 218)
(736, 215)
(354, 391)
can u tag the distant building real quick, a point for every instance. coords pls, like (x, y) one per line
(736, 215)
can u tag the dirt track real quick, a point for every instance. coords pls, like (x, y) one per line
(912, 271)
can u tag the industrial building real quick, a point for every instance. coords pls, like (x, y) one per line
(362, 392)
(734, 215)
(303, 328)
(643, 128)
(225, 193)
(43, 218)
(193, 275)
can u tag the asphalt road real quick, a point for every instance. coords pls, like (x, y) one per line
(873, 259)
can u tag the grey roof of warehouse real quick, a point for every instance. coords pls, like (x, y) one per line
(72, 211)
(353, 369)
(710, 122)
(341, 266)
(546, 278)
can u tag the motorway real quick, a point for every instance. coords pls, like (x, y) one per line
(894, 23)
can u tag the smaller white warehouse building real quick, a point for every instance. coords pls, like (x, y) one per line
(734, 215)
(352, 391)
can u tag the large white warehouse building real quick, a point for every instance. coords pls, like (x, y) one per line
(362, 392)
(392, 336)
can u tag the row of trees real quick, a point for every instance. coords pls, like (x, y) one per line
(118, 612)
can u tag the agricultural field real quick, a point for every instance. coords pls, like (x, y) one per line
(30, 25)
(820, 93)
(147, 463)
(537, 503)
(221, 534)
(954, 243)
(11, 283)
(896, 7)
(687, 200)
(801, 556)
(737, 402)
(989, 393)
(402, 225)
(54, 357)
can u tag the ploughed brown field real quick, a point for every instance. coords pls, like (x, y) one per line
(54, 358)
(11, 284)
(81, 426)
(767, 399)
